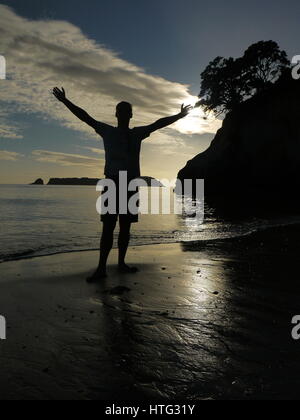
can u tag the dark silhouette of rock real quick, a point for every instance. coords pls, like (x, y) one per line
(93, 181)
(38, 182)
(258, 147)
(73, 181)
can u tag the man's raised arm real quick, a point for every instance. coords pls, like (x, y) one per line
(78, 112)
(165, 122)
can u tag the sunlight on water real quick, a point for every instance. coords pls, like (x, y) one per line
(45, 220)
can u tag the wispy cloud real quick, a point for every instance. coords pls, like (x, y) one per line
(10, 130)
(43, 54)
(13, 156)
(93, 150)
(66, 159)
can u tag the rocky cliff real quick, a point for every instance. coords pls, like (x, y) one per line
(258, 146)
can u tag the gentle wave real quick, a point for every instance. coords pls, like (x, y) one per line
(139, 241)
(38, 222)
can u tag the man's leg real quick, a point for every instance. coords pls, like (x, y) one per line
(106, 244)
(124, 239)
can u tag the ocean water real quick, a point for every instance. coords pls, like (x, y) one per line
(44, 220)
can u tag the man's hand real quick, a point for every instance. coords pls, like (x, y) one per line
(185, 110)
(165, 122)
(59, 94)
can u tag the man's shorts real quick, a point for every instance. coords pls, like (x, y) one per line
(128, 217)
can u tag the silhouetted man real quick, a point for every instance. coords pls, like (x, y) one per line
(122, 152)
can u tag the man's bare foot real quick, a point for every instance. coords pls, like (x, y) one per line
(125, 269)
(98, 275)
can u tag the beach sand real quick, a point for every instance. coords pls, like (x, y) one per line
(199, 321)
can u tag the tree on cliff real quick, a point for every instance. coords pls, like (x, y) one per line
(223, 86)
(264, 62)
(228, 82)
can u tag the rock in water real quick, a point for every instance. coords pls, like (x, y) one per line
(38, 182)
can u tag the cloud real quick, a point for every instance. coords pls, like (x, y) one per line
(93, 150)
(12, 156)
(42, 54)
(66, 159)
(10, 130)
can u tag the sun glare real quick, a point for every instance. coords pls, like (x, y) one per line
(197, 122)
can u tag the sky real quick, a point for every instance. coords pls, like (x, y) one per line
(148, 53)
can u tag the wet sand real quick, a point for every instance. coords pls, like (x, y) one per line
(210, 320)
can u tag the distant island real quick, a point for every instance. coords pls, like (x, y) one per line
(90, 181)
(73, 181)
(38, 182)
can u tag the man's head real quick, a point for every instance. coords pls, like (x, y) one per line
(124, 111)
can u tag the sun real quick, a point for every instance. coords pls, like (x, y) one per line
(191, 123)
(197, 121)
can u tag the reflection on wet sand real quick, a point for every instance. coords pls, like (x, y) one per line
(218, 328)
(200, 320)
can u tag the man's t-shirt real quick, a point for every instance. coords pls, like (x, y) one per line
(122, 149)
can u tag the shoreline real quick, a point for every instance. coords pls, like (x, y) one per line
(265, 229)
(184, 327)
